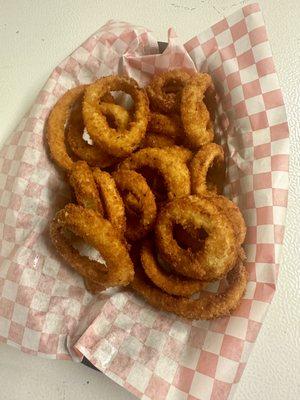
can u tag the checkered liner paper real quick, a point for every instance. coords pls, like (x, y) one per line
(44, 307)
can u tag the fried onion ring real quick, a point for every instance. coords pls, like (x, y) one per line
(181, 153)
(112, 202)
(118, 114)
(156, 140)
(92, 286)
(234, 215)
(98, 233)
(165, 89)
(56, 127)
(167, 125)
(168, 282)
(130, 182)
(119, 143)
(93, 154)
(219, 252)
(207, 170)
(194, 114)
(83, 183)
(208, 306)
(170, 162)
(132, 203)
(97, 190)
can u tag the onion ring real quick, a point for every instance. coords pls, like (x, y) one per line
(219, 252)
(56, 132)
(167, 125)
(98, 233)
(91, 270)
(170, 162)
(194, 114)
(157, 140)
(131, 182)
(115, 142)
(92, 286)
(56, 127)
(132, 203)
(207, 170)
(181, 153)
(168, 282)
(83, 183)
(164, 91)
(119, 115)
(97, 190)
(234, 215)
(111, 200)
(93, 154)
(208, 306)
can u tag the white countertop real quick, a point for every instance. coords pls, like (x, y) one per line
(34, 36)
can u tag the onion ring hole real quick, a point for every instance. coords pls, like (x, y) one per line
(83, 248)
(215, 176)
(156, 182)
(193, 239)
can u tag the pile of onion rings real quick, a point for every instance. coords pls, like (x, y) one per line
(147, 187)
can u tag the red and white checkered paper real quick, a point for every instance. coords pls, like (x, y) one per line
(44, 308)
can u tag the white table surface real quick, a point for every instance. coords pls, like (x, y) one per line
(37, 34)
